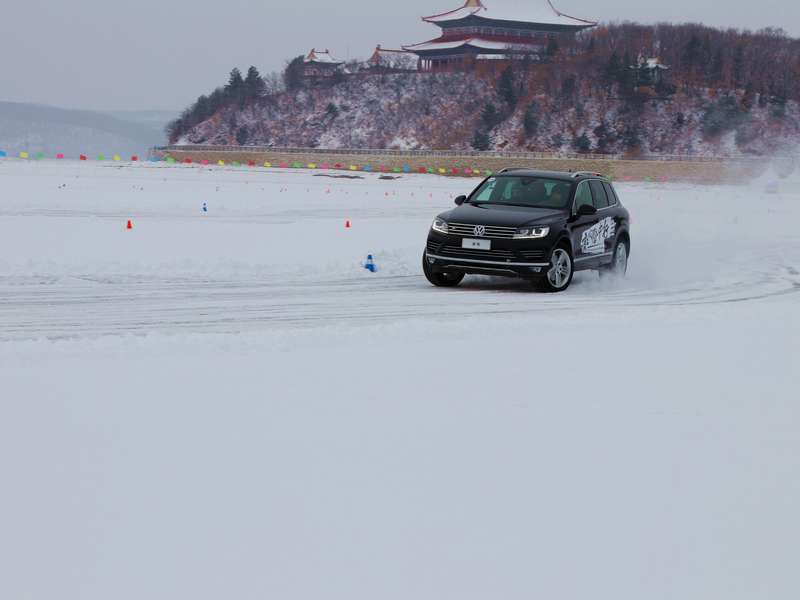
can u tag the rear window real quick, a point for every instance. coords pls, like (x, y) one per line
(538, 192)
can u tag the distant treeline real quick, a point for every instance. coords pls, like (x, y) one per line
(238, 92)
(765, 62)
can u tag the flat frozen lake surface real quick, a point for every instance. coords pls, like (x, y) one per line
(226, 404)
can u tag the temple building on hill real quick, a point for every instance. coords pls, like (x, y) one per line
(476, 32)
(320, 64)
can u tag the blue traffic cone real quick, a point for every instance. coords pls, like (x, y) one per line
(370, 264)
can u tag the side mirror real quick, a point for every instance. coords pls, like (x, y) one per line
(460, 200)
(586, 210)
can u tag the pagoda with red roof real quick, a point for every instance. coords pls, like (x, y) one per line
(476, 32)
(321, 64)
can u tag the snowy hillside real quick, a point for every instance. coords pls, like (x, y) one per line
(224, 404)
(424, 111)
(35, 128)
(619, 88)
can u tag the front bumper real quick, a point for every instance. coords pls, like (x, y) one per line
(515, 258)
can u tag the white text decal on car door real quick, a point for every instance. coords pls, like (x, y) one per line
(593, 240)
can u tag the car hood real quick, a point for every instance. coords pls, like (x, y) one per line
(502, 216)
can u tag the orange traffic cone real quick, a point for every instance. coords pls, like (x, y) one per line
(130, 224)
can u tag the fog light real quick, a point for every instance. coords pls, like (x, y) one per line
(536, 269)
(431, 261)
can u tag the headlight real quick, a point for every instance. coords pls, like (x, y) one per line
(440, 226)
(532, 233)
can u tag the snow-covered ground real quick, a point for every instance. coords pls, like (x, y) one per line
(225, 404)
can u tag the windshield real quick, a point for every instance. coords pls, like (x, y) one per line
(536, 192)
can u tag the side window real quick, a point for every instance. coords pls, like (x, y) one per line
(583, 195)
(599, 193)
(612, 195)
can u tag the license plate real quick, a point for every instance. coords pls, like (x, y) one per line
(476, 244)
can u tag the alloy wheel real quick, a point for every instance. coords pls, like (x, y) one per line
(560, 272)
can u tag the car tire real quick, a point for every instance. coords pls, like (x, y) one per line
(619, 262)
(559, 276)
(440, 278)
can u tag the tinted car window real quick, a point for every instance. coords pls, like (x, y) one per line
(599, 193)
(612, 195)
(583, 195)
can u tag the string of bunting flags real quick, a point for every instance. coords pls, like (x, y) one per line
(61, 156)
(302, 165)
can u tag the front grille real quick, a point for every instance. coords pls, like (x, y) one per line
(433, 247)
(492, 232)
(480, 254)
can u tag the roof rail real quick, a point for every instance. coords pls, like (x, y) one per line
(586, 173)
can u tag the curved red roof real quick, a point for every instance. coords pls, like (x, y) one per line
(544, 13)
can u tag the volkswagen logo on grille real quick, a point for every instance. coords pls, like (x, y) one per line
(479, 230)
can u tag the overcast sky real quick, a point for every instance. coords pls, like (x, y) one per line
(162, 54)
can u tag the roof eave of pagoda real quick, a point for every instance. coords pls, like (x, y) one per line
(477, 43)
(473, 8)
(578, 25)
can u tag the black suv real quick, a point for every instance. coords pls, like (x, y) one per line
(537, 225)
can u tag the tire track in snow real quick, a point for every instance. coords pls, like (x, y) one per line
(92, 307)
